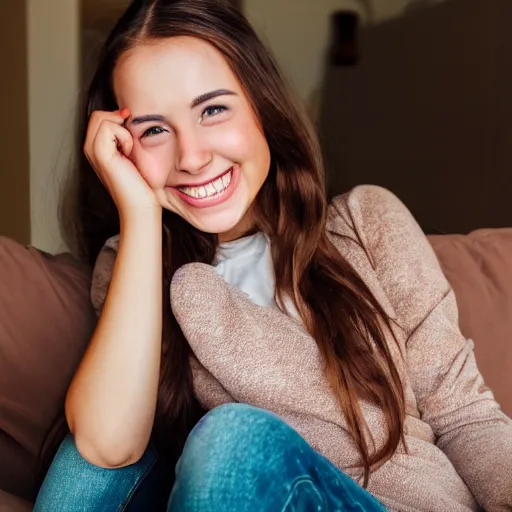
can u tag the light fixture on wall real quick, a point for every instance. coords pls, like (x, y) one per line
(344, 48)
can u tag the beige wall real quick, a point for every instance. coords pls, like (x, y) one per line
(14, 162)
(53, 64)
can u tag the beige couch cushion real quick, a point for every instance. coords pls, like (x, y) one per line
(479, 268)
(45, 323)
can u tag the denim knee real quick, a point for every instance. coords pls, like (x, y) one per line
(237, 432)
(72, 484)
(234, 446)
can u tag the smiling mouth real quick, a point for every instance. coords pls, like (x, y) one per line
(212, 189)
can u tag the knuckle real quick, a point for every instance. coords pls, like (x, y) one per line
(95, 115)
(104, 128)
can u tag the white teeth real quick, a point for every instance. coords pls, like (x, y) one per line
(218, 185)
(209, 190)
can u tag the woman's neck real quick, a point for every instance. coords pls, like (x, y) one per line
(245, 227)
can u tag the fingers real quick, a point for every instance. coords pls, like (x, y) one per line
(107, 137)
(108, 147)
(97, 118)
(111, 141)
(124, 140)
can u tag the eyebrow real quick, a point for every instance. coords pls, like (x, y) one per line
(152, 118)
(210, 95)
(147, 119)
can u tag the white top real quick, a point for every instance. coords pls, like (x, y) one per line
(246, 264)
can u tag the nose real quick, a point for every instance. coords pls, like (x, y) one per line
(192, 155)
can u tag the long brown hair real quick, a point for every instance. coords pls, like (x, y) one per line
(336, 306)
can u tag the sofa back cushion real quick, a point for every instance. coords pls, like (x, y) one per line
(479, 268)
(45, 323)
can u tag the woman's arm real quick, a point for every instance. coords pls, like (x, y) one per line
(451, 394)
(111, 403)
(110, 406)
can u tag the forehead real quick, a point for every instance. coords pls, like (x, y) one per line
(179, 67)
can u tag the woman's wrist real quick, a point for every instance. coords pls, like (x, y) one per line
(140, 219)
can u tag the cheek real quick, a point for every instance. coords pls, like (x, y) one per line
(240, 141)
(255, 147)
(245, 143)
(153, 164)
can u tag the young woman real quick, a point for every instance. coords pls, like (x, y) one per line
(323, 340)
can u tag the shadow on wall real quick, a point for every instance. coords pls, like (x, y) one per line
(428, 116)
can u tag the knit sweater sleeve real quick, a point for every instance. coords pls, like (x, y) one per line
(102, 273)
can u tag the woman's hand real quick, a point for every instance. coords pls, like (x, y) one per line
(108, 147)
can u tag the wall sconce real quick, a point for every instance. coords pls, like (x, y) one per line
(344, 48)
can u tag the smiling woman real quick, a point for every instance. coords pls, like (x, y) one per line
(322, 340)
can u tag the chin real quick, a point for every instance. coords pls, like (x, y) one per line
(221, 223)
(220, 227)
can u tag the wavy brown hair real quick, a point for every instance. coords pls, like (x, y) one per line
(336, 306)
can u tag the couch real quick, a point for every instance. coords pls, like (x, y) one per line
(46, 320)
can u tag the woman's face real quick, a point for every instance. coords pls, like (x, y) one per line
(197, 141)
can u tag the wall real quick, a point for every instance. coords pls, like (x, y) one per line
(298, 30)
(14, 162)
(53, 74)
(430, 119)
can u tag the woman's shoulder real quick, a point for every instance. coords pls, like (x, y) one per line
(364, 205)
(382, 224)
(373, 224)
(373, 217)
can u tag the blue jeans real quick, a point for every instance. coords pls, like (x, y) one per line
(236, 459)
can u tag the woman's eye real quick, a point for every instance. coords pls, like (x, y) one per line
(214, 110)
(151, 132)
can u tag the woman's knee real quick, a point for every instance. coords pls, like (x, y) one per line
(240, 421)
(235, 442)
(234, 430)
